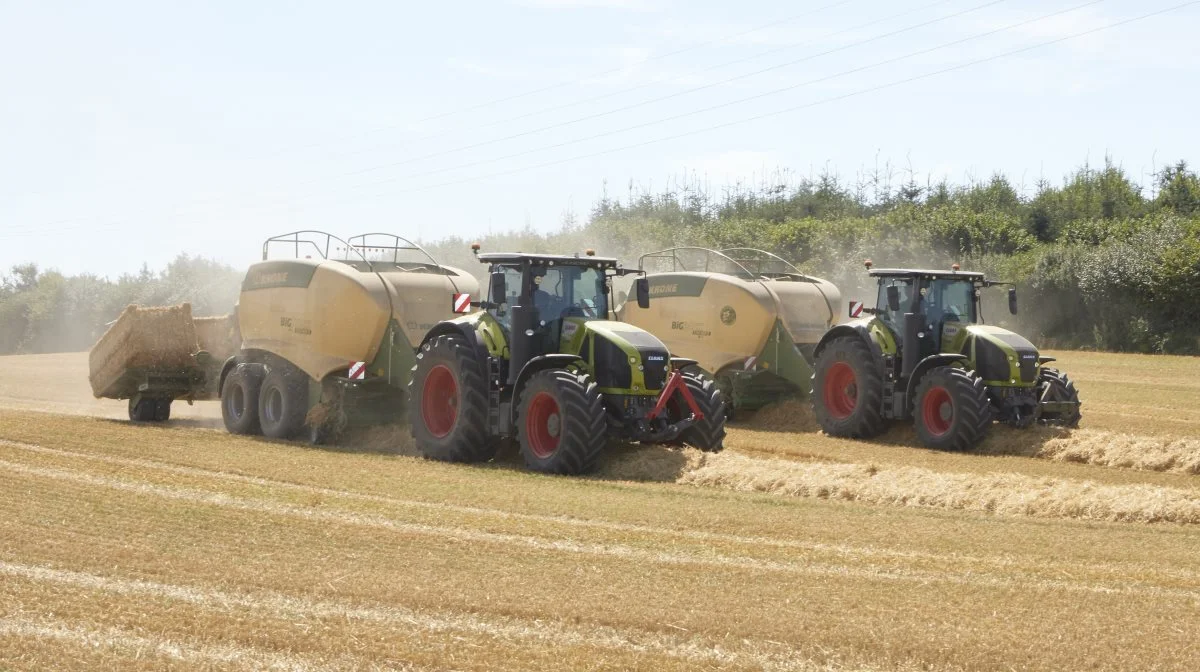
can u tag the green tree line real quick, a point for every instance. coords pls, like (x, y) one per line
(46, 311)
(1099, 261)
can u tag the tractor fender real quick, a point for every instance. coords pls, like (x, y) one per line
(682, 362)
(464, 329)
(923, 367)
(540, 363)
(449, 328)
(854, 330)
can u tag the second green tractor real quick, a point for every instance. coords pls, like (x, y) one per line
(544, 364)
(925, 354)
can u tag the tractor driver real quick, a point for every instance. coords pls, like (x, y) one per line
(549, 304)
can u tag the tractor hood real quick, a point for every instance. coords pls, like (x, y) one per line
(625, 359)
(1002, 357)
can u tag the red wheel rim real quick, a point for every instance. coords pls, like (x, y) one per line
(841, 390)
(543, 425)
(937, 410)
(439, 401)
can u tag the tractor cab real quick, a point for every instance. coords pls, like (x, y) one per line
(946, 302)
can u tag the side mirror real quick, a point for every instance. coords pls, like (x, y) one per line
(498, 288)
(1012, 300)
(642, 287)
(893, 298)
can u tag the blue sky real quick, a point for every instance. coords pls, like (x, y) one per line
(132, 131)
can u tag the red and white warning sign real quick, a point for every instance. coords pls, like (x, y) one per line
(462, 303)
(358, 370)
(856, 308)
(749, 363)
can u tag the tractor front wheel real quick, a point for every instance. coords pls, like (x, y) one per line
(951, 409)
(1056, 386)
(447, 408)
(848, 389)
(560, 422)
(708, 433)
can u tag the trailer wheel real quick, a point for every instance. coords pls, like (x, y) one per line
(1056, 386)
(951, 409)
(447, 409)
(142, 409)
(162, 410)
(239, 399)
(707, 434)
(560, 422)
(848, 390)
(282, 403)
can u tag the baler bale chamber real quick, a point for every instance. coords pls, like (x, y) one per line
(748, 317)
(329, 328)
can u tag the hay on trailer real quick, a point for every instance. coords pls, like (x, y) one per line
(218, 335)
(161, 338)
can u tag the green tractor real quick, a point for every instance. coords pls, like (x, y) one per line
(924, 353)
(542, 363)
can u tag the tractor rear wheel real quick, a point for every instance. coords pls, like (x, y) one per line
(239, 399)
(848, 389)
(447, 407)
(708, 434)
(282, 403)
(951, 410)
(1056, 386)
(560, 422)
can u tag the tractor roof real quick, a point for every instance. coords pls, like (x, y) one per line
(561, 259)
(914, 272)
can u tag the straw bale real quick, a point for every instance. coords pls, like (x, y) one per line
(218, 335)
(159, 337)
(1000, 493)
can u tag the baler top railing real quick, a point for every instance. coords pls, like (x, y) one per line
(394, 246)
(766, 264)
(714, 262)
(308, 242)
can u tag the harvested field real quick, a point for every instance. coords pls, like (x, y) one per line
(146, 547)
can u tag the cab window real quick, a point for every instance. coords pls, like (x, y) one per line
(904, 285)
(950, 301)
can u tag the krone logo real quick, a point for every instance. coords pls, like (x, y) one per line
(728, 315)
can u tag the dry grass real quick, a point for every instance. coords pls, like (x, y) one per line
(1003, 494)
(141, 548)
(144, 547)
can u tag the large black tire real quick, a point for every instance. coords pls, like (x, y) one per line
(283, 402)
(708, 434)
(239, 399)
(951, 410)
(162, 410)
(848, 390)
(724, 380)
(1056, 386)
(560, 422)
(447, 407)
(143, 409)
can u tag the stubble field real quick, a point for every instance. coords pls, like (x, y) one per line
(180, 546)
